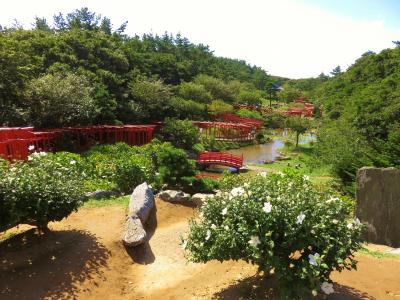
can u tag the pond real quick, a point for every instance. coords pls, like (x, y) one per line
(259, 154)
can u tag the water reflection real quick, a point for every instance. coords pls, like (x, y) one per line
(258, 154)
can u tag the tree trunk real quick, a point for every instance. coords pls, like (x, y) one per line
(297, 139)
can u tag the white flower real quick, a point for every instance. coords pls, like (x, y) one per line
(31, 147)
(305, 177)
(226, 227)
(281, 174)
(254, 241)
(349, 225)
(327, 287)
(267, 207)
(72, 162)
(332, 199)
(300, 218)
(314, 293)
(208, 235)
(312, 231)
(356, 222)
(201, 215)
(334, 221)
(213, 226)
(290, 184)
(263, 174)
(246, 184)
(312, 259)
(184, 244)
(42, 153)
(237, 192)
(224, 211)
(30, 158)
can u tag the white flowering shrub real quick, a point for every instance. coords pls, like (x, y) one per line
(281, 223)
(48, 187)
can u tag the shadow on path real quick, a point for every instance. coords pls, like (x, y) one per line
(265, 287)
(52, 265)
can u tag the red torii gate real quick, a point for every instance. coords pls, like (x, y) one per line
(227, 117)
(226, 131)
(19, 142)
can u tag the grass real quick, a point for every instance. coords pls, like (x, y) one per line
(122, 201)
(378, 254)
(304, 160)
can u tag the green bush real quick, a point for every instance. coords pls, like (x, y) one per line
(46, 188)
(199, 185)
(117, 166)
(181, 133)
(279, 222)
(245, 113)
(274, 120)
(173, 164)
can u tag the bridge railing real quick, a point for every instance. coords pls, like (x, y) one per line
(220, 158)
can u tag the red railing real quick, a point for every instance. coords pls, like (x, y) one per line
(226, 131)
(220, 158)
(18, 143)
(227, 117)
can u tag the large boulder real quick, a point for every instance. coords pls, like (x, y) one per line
(199, 199)
(141, 202)
(134, 233)
(378, 204)
(173, 196)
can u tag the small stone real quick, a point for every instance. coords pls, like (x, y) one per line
(199, 199)
(174, 196)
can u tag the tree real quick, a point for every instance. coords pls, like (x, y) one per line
(299, 125)
(218, 106)
(193, 91)
(60, 100)
(153, 95)
(336, 71)
(181, 133)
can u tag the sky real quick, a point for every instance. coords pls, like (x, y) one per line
(289, 38)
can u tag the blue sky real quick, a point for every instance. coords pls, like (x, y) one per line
(291, 38)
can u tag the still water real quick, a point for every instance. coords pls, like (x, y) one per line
(258, 154)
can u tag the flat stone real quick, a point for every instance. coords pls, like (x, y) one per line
(141, 202)
(173, 196)
(134, 233)
(98, 194)
(199, 199)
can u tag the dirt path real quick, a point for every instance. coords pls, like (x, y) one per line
(83, 258)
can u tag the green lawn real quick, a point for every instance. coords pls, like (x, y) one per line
(123, 201)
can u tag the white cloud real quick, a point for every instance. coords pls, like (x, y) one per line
(284, 37)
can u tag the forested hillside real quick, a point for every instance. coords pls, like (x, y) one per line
(80, 70)
(362, 109)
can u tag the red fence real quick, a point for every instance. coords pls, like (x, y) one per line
(226, 131)
(220, 158)
(18, 143)
(226, 117)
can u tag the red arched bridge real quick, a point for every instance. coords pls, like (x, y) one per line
(220, 158)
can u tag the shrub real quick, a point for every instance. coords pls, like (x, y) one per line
(181, 133)
(46, 188)
(245, 113)
(199, 185)
(118, 166)
(279, 222)
(218, 106)
(189, 109)
(274, 120)
(173, 164)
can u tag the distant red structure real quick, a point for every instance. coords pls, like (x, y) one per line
(220, 158)
(227, 117)
(16, 143)
(226, 131)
